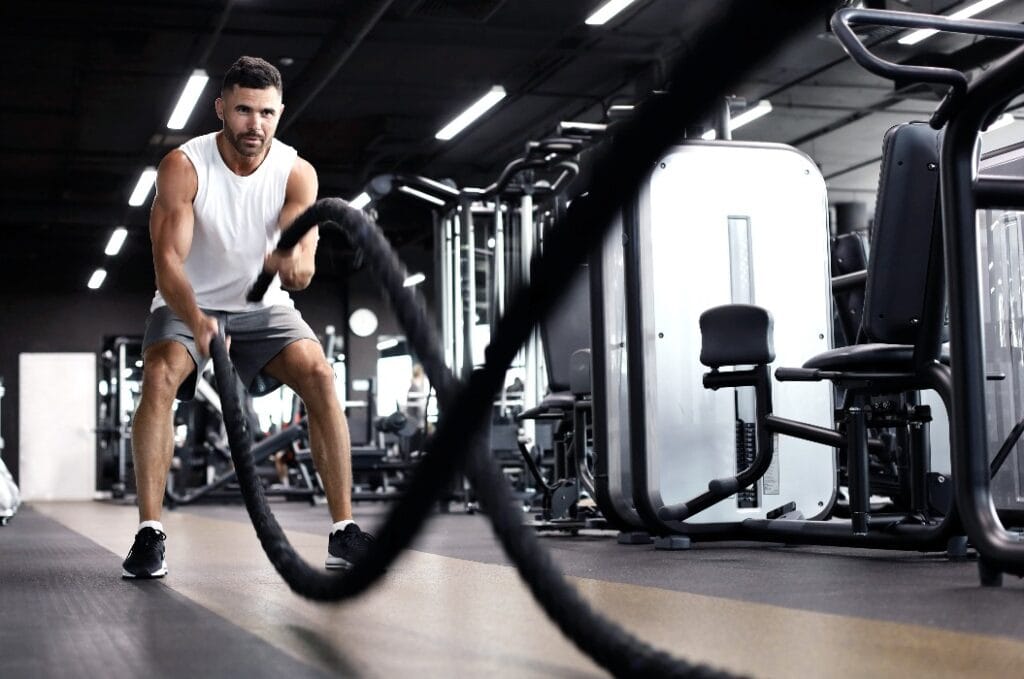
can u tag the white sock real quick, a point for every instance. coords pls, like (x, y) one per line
(152, 524)
(341, 525)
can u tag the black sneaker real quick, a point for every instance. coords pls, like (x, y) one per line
(345, 547)
(146, 558)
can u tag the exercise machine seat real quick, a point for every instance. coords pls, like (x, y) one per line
(555, 404)
(874, 357)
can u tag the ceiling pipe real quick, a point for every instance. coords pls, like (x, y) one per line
(349, 32)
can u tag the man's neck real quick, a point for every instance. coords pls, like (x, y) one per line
(241, 165)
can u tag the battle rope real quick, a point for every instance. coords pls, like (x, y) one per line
(719, 61)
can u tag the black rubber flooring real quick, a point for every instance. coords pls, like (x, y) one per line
(59, 604)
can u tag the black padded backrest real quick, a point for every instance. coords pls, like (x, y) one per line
(906, 223)
(566, 330)
(736, 334)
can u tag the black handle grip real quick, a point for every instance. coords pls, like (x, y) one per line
(674, 512)
(726, 486)
(798, 375)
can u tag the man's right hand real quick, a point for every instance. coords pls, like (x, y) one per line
(203, 329)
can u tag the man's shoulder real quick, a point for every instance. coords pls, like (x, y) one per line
(177, 160)
(199, 142)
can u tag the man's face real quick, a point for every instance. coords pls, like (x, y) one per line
(250, 117)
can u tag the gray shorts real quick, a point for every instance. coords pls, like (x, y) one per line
(256, 338)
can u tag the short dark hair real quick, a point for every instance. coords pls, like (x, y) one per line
(254, 73)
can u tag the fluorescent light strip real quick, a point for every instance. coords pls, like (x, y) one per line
(607, 11)
(965, 13)
(96, 280)
(422, 196)
(1001, 121)
(762, 108)
(414, 279)
(477, 109)
(360, 201)
(116, 241)
(187, 99)
(576, 125)
(387, 344)
(142, 187)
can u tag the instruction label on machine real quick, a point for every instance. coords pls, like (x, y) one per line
(770, 480)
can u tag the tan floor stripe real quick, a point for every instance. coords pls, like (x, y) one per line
(440, 616)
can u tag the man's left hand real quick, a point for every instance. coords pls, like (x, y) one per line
(289, 266)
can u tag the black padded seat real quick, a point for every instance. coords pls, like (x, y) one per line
(556, 403)
(875, 357)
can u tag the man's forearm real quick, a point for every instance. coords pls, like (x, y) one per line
(177, 292)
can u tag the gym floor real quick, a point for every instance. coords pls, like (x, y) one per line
(453, 606)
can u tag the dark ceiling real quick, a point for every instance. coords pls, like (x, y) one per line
(89, 85)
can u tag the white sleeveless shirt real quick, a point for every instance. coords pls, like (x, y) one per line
(236, 225)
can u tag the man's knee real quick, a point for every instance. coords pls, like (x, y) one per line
(164, 370)
(319, 376)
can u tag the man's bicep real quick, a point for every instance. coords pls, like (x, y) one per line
(300, 192)
(171, 229)
(172, 218)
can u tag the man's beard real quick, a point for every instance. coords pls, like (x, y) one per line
(238, 142)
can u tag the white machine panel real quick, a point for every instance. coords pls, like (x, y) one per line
(616, 385)
(57, 421)
(721, 223)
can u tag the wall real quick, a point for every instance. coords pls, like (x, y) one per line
(54, 322)
(50, 322)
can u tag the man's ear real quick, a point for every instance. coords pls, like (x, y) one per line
(218, 105)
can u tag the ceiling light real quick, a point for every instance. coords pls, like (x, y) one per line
(585, 127)
(606, 11)
(965, 13)
(1001, 121)
(414, 279)
(187, 100)
(96, 279)
(360, 201)
(384, 345)
(477, 109)
(421, 195)
(762, 108)
(116, 241)
(142, 187)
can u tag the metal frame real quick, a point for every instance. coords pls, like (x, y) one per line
(963, 193)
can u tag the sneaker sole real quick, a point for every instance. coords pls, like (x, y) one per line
(158, 573)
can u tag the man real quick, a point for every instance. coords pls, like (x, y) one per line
(221, 200)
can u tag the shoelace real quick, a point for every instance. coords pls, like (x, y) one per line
(361, 538)
(149, 538)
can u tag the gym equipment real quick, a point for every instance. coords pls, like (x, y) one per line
(613, 481)
(903, 296)
(10, 499)
(201, 468)
(566, 341)
(965, 110)
(685, 234)
(475, 281)
(120, 380)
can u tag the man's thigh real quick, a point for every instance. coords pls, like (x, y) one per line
(257, 337)
(169, 339)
